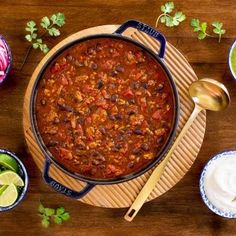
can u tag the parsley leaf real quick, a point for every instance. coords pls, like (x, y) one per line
(170, 20)
(58, 19)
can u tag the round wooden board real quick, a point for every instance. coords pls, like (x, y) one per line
(122, 195)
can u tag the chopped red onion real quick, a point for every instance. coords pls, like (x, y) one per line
(4, 59)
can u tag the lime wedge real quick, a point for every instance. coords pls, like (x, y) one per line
(8, 162)
(8, 177)
(9, 196)
(2, 189)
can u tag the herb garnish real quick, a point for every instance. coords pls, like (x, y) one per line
(170, 20)
(58, 215)
(201, 28)
(50, 27)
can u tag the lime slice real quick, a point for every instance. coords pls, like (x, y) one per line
(2, 189)
(8, 177)
(9, 196)
(8, 162)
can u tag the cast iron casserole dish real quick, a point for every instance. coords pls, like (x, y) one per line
(91, 182)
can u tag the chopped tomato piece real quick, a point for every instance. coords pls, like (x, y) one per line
(128, 93)
(157, 114)
(65, 154)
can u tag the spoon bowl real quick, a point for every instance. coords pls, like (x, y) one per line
(209, 94)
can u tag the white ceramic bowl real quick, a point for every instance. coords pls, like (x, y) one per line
(202, 189)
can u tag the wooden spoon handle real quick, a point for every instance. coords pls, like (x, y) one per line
(158, 171)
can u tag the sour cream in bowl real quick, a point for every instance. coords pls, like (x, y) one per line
(218, 184)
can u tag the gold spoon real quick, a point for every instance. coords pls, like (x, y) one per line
(207, 94)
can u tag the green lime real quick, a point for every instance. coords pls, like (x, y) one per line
(2, 189)
(8, 162)
(8, 177)
(9, 196)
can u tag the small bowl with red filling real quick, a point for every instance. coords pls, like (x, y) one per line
(5, 59)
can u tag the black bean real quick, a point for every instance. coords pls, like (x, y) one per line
(114, 149)
(113, 73)
(94, 66)
(64, 107)
(136, 151)
(95, 153)
(145, 85)
(131, 164)
(98, 47)
(135, 85)
(131, 112)
(118, 116)
(145, 147)
(80, 146)
(52, 143)
(102, 130)
(138, 132)
(131, 101)
(160, 140)
(100, 84)
(95, 162)
(79, 64)
(113, 97)
(43, 102)
(56, 120)
(159, 87)
(90, 50)
(119, 68)
(112, 117)
(118, 146)
(69, 57)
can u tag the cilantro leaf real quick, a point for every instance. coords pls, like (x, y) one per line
(57, 220)
(178, 17)
(45, 22)
(200, 28)
(168, 7)
(58, 19)
(65, 216)
(54, 32)
(45, 223)
(60, 211)
(49, 211)
(218, 28)
(41, 208)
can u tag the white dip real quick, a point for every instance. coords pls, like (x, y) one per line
(220, 183)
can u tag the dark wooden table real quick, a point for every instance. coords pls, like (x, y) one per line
(181, 210)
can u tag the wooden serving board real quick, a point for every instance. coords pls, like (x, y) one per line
(122, 195)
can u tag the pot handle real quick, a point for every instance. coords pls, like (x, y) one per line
(61, 188)
(146, 29)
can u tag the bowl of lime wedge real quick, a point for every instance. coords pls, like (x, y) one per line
(232, 59)
(13, 180)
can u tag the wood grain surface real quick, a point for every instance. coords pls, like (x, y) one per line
(181, 210)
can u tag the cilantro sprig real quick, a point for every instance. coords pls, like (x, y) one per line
(167, 19)
(201, 29)
(49, 26)
(58, 215)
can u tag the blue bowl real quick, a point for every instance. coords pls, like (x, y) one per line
(202, 190)
(23, 174)
(7, 71)
(229, 57)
